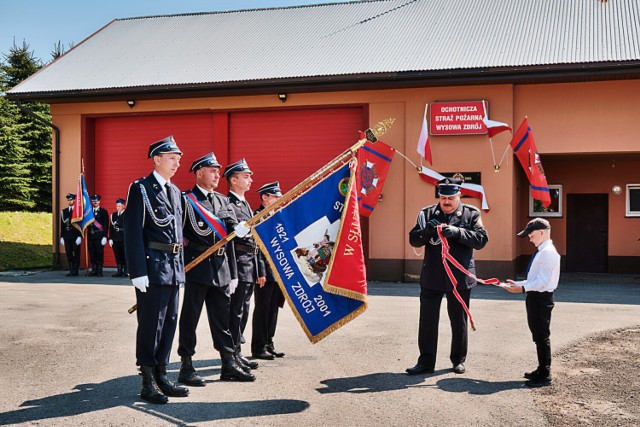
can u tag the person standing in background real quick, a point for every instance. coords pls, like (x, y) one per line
(71, 237)
(116, 238)
(98, 234)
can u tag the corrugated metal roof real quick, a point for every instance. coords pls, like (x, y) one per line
(342, 39)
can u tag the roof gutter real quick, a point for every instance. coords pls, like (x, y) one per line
(56, 190)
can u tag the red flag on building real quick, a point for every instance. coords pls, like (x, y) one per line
(373, 165)
(424, 148)
(525, 148)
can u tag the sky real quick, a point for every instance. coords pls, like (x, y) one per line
(44, 23)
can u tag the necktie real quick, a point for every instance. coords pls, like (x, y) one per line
(210, 198)
(169, 196)
(531, 260)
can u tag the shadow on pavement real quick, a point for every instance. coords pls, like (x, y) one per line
(374, 383)
(124, 392)
(471, 386)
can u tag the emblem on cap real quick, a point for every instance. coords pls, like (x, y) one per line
(272, 188)
(164, 146)
(240, 166)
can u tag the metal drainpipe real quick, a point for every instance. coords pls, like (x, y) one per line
(56, 191)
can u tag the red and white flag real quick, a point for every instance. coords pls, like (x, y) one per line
(472, 190)
(424, 148)
(373, 165)
(493, 127)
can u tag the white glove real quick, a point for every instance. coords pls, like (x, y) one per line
(62, 241)
(103, 241)
(78, 241)
(233, 284)
(422, 222)
(141, 283)
(111, 242)
(241, 229)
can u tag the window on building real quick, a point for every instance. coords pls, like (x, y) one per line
(633, 200)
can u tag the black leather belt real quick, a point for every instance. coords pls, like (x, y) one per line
(246, 248)
(202, 248)
(174, 248)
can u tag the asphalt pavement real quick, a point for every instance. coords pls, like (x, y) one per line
(67, 357)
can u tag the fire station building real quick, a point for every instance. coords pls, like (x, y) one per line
(288, 89)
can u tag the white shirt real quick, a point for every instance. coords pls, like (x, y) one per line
(544, 273)
(162, 182)
(238, 196)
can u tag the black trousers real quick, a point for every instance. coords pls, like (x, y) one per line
(428, 327)
(265, 315)
(96, 251)
(72, 250)
(217, 301)
(240, 305)
(118, 253)
(157, 321)
(539, 307)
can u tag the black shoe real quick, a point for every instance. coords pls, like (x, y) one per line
(538, 382)
(188, 374)
(70, 273)
(231, 371)
(273, 351)
(249, 363)
(531, 375)
(150, 391)
(459, 368)
(167, 387)
(419, 369)
(264, 355)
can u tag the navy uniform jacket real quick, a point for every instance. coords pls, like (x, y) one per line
(102, 217)
(116, 227)
(264, 269)
(472, 236)
(217, 270)
(245, 248)
(69, 232)
(151, 220)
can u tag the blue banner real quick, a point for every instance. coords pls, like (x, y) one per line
(82, 209)
(298, 241)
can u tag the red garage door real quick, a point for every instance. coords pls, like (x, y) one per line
(288, 146)
(121, 146)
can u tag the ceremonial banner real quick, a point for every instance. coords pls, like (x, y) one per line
(472, 190)
(373, 165)
(525, 149)
(314, 248)
(82, 214)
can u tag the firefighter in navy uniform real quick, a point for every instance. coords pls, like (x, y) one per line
(116, 238)
(70, 237)
(238, 175)
(98, 234)
(209, 282)
(464, 231)
(268, 296)
(153, 248)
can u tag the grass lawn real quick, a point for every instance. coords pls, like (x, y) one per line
(25, 240)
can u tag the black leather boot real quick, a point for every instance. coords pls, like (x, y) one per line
(70, 273)
(244, 361)
(94, 270)
(99, 270)
(118, 272)
(75, 269)
(150, 391)
(169, 388)
(230, 371)
(188, 374)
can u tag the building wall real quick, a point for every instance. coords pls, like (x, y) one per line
(565, 118)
